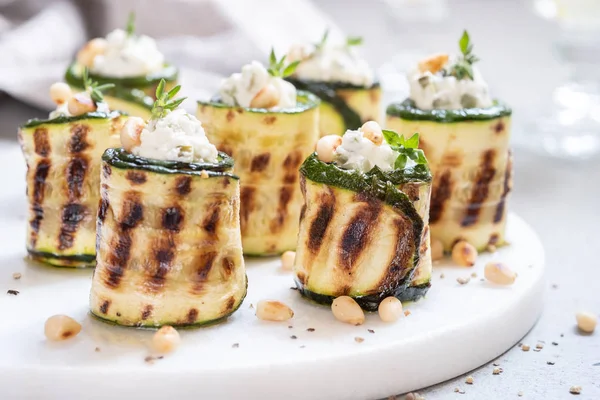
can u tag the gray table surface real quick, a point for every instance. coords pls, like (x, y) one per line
(559, 199)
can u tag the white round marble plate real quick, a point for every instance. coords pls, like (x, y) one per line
(454, 329)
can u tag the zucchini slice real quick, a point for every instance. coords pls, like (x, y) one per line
(63, 180)
(134, 95)
(268, 147)
(364, 235)
(169, 244)
(343, 105)
(469, 155)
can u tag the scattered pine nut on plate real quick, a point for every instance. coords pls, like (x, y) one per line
(271, 310)
(347, 310)
(166, 339)
(61, 327)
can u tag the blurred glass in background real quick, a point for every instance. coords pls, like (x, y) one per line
(570, 126)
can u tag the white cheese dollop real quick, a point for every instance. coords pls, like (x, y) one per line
(435, 91)
(128, 56)
(241, 88)
(178, 136)
(336, 64)
(359, 153)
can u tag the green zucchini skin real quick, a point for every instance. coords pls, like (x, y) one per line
(305, 101)
(407, 110)
(120, 158)
(138, 90)
(168, 73)
(35, 122)
(368, 302)
(67, 261)
(326, 92)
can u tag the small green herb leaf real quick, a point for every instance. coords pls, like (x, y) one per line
(278, 68)
(130, 29)
(463, 68)
(464, 42)
(353, 41)
(93, 88)
(290, 69)
(392, 138)
(400, 162)
(164, 101)
(412, 142)
(406, 148)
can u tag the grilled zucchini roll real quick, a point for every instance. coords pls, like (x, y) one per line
(131, 62)
(364, 225)
(343, 81)
(269, 129)
(465, 135)
(169, 244)
(63, 174)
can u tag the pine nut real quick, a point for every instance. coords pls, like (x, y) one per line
(499, 273)
(326, 147)
(271, 310)
(88, 53)
(166, 339)
(61, 327)
(390, 309)
(267, 97)
(287, 260)
(81, 103)
(586, 321)
(131, 133)
(347, 310)
(433, 63)
(372, 131)
(437, 249)
(60, 92)
(464, 254)
(575, 390)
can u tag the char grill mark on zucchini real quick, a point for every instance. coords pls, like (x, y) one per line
(171, 253)
(318, 228)
(356, 214)
(39, 186)
(501, 208)
(480, 189)
(63, 174)
(468, 151)
(268, 146)
(120, 250)
(442, 191)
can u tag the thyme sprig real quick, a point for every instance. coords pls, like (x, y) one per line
(406, 148)
(278, 68)
(93, 88)
(164, 101)
(130, 29)
(463, 68)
